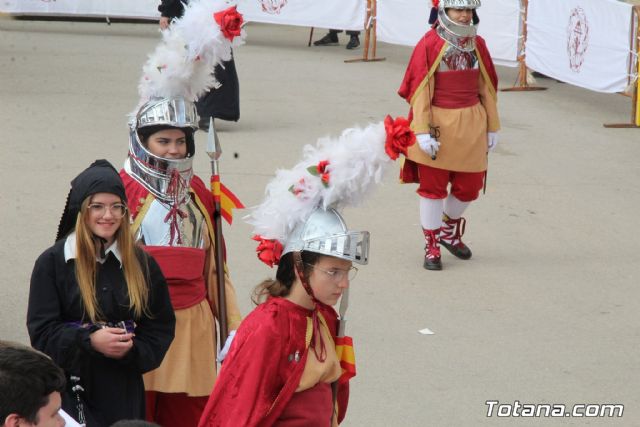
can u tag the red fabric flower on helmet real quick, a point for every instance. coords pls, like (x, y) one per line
(230, 21)
(321, 170)
(399, 136)
(268, 250)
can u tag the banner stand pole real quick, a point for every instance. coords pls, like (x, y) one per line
(635, 98)
(370, 25)
(310, 37)
(522, 85)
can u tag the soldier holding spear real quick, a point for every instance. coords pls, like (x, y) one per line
(173, 211)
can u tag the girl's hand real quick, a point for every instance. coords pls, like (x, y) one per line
(112, 342)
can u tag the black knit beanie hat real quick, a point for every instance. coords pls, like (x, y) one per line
(100, 177)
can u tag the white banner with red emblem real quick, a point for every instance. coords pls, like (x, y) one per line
(337, 14)
(138, 9)
(582, 42)
(405, 21)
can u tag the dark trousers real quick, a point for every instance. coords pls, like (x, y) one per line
(351, 33)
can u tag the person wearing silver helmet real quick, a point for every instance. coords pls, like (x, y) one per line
(450, 84)
(172, 209)
(283, 358)
(172, 213)
(291, 350)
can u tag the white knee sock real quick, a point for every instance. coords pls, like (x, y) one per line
(430, 213)
(453, 207)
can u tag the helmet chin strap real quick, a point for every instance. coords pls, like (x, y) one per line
(316, 335)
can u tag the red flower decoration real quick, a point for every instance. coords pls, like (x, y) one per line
(230, 22)
(322, 166)
(298, 188)
(268, 250)
(321, 170)
(399, 136)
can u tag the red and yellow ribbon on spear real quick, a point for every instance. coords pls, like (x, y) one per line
(224, 201)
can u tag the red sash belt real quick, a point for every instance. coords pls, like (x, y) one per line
(183, 268)
(456, 89)
(308, 408)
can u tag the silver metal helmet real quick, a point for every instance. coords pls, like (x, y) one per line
(461, 36)
(159, 175)
(326, 233)
(460, 4)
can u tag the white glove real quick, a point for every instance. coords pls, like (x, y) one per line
(428, 144)
(227, 345)
(492, 140)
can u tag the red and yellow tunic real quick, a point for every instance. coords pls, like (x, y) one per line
(190, 364)
(462, 103)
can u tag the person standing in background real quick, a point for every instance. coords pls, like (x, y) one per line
(451, 85)
(221, 102)
(331, 39)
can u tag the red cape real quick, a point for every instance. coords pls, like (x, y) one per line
(258, 378)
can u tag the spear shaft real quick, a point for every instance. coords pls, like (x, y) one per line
(214, 151)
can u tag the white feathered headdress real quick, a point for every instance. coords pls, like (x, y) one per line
(182, 64)
(336, 173)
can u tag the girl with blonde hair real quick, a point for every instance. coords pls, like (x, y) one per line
(98, 305)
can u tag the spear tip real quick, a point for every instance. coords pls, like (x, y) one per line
(213, 143)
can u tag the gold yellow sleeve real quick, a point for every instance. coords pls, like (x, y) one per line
(421, 107)
(489, 100)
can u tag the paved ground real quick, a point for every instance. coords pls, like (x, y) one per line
(545, 312)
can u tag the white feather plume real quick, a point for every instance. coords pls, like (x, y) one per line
(357, 161)
(183, 62)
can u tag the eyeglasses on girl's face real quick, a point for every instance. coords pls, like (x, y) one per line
(337, 275)
(117, 210)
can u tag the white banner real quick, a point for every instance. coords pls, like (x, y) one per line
(405, 21)
(138, 9)
(337, 14)
(581, 42)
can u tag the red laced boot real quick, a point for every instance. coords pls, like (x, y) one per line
(452, 231)
(432, 250)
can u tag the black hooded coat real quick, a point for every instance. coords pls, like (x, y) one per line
(112, 389)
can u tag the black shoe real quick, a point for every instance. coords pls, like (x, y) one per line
(432, 263)
(354, 42)
(330, 39)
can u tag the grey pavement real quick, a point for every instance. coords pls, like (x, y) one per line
(546, 311)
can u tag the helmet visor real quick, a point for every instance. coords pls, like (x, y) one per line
(352, 246)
